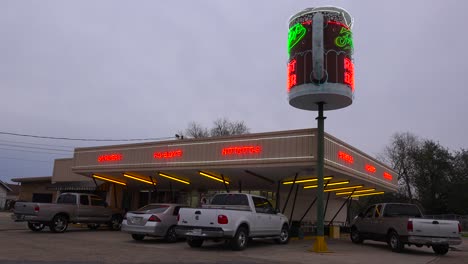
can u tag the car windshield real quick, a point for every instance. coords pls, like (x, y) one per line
(155, 208)
(230, 199)
(402, 210)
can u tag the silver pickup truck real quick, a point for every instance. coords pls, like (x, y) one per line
(70, 208)
(399, 224)
(234, 217)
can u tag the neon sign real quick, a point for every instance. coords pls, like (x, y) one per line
(349, 73)
(241, 150)
(387, 176)
(345, 157)
(345, 39)
(370, 168)
(291, 74)
(295, 34)
(110, 157)
(168, 154)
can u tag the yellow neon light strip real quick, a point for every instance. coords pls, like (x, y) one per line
(344, 188)
(212, 177)
(173, 178)
(107, 179)
(307, 180)
(329, 184)
(138, 179)
(360, 191)
(367, 194)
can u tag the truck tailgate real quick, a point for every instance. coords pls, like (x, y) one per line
(198, 217)
(25, 208)
(435, 227)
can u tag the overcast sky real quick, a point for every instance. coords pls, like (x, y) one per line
(139, 69)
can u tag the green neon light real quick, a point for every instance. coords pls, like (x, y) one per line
(345, 39)
(296, 33)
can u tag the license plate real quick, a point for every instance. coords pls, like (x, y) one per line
(196, 231)
(137, 220)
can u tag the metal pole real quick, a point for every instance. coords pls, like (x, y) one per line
(224, 182)
(278, 195)
(294, 203)
(320, 165)
(310, 206)
(289, 194)
(339, 210)
(326, 206)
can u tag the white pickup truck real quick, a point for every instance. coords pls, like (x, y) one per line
(236, 217)
(399, 224)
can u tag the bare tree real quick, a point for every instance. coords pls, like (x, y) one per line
(195, 130)
(400, 154)
(224, 127)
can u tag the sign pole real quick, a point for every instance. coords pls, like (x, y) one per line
(320, 244)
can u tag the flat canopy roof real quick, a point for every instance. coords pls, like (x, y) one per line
(248, 162)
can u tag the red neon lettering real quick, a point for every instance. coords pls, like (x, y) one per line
(167, 154)
(370, 168)
(241, 150)
(110, 157)
(308, 22)
(387, 176)
(338, 23)
(349, 73)
(346, 157)
(291, 74)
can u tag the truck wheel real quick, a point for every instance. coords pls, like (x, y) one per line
(239, 242)
(59, 224)
(171, 235)
(394, 242)
(440, 249)
(36, 227)
(284, 236)
(115, 222)
(138, 237)
(356, 236)
(194, 242)
(93, 226)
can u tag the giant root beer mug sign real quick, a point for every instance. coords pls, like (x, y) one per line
(320, 66)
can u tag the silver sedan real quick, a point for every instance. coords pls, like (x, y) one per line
(155, 220)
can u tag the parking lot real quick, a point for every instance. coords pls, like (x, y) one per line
(80, 245)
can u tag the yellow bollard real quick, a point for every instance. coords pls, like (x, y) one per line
(320, 245)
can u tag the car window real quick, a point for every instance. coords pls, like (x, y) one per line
(370, 212)
(154, 208)
(97, 201)
(262, 205)
(230, 199)
(378, 211)
(66, 199)
(84, 200)
(410, 210)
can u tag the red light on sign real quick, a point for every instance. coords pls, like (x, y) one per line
(241, 150)
(291, 74)
(370, 168)
(338, 23)
(349, 73)
(168, 154)
(387, 176)
(110, 157)
(346, 157)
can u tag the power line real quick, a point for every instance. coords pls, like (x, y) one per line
(32, 151)
(19, 146)
(82, 139)
(25, 159)
(38, 144)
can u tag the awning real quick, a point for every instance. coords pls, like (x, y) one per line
(77, 186)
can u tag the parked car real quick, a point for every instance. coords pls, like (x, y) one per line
(69, 208)
(154, 220)
(399, 224)
(234, 217)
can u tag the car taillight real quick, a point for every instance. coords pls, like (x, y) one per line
(154, 218)
(222, 219)
(36, 208)
(409, 226)
(459, 228)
